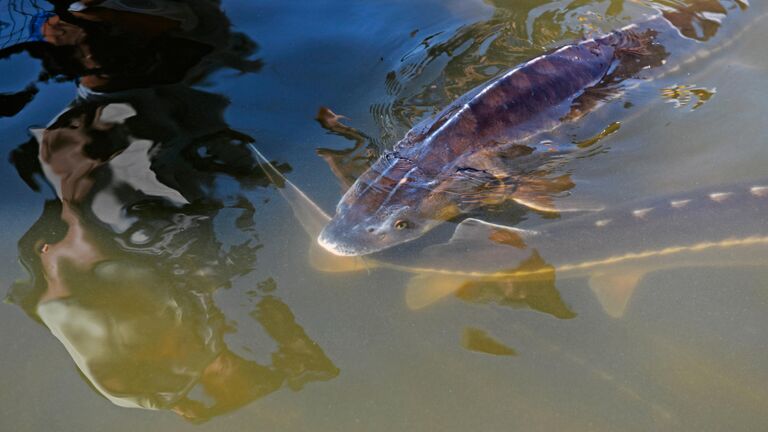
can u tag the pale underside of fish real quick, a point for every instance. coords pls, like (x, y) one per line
(725, 226)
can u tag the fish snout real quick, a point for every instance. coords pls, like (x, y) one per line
(343, 240)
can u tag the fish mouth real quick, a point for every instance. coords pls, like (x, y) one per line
(342, 246)
(341, 249)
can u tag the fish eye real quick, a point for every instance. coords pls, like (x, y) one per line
(402, 224)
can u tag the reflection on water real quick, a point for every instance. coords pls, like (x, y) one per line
(682, 95)
(346, 164)
(540, 295)
(154, 218)
(478, 340)
(125, 261)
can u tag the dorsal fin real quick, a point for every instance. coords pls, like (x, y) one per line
(537, 192)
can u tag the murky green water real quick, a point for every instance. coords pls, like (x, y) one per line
(164, 271)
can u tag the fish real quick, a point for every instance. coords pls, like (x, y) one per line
(724, 226)
(493, 144)
(615, 249)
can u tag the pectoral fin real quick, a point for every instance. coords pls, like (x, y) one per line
(425, 289)
(614, 288)
(472, 229)
(537, 193)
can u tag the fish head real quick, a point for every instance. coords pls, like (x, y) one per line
(351, 233)
(390, 204)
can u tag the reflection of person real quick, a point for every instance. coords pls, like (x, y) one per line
(146, 337)
(111, 45)
(346, 164)
(125, 261)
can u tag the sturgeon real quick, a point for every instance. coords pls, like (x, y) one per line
(721, 226)
(492, 145)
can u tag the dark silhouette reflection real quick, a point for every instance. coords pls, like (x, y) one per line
(537, 293)
(540, 296)
(146, 172)
(478, 340)
(346, 164)
(123, 44)
(529, 285)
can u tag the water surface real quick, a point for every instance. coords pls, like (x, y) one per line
(210, 239)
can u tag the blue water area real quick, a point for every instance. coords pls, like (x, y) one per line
(167, 166)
